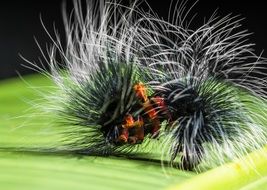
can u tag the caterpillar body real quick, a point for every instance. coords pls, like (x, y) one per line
(139, 77)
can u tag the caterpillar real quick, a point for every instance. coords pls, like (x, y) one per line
(127, 77)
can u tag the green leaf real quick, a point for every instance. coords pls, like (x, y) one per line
(25, 163)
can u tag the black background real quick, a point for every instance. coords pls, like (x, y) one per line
(20, 22)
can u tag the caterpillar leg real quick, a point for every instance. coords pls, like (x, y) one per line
(138, 137)
(123, 138)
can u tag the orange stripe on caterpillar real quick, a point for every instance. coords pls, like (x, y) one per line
(130, 123)
(140, 91)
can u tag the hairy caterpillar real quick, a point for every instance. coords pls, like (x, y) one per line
(129, 76)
